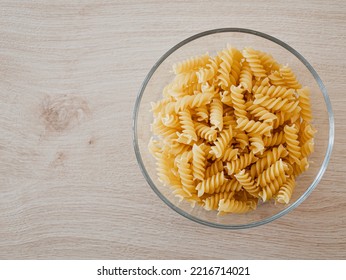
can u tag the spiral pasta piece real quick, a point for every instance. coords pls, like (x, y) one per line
(176, 148)
(246, 77)
(276, 139)
(227, 100)
(306, 132)
(252, 57)
(155, 147)
(210, 184)
(234, 206)
(236, 67)
(159, 106)
(202, 113)
(190, 89)
(272, 188)
(242, 140)
(307, 148)
(238, 102)
(183, 80)
(181, 194)
(164, 165)
(231, 185)
(299, 168)
(187, 125)
(276, 170)
(276, 104)
(221, 142)
(214, 168)
(282, 92)
(276, 79)
(193, 101)
(256, 144)
(242, 162)
(159, 128)
(209, 72)
(262, 114)
(254, 127)
(206, 132)
(304, 103)
(268, 62)
(291, 139)
(198, 162)
(191, 64)
(289, 77)
(216, 113)
(212, 202)
(247, 182)
(185, 172)
(285, 193)
(225, 68)
(230, 154)
(281, 118)
(171, 121)
(268, 158)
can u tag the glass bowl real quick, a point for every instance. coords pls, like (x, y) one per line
(213, 41)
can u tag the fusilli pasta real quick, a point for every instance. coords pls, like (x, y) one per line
(232, 130)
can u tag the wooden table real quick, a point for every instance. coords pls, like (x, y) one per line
(70, 186)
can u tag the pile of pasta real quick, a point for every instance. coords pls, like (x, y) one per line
(232, 130)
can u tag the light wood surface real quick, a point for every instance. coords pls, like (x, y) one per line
(70, 186)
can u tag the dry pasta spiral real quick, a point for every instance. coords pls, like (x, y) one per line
(277, 169)
(247, 182)
(285, 193)
(271, 189)
(198, 162)
(238, 102)
(209, 72)
(221, 143)
(240, 163)
(291, 139)
(187, 125)
(212, 202)
(254, 127)
(191, 64)
(206, 132)
(233, 206)
(225, 68)
(214, 168)
(304, 103)
(231, 185)
(246, 77)
(216, 113)
(289, 77)
(210, 184)
(269, 157)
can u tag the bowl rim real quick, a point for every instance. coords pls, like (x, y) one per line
(326, 157)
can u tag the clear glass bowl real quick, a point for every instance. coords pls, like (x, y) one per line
(213, 41)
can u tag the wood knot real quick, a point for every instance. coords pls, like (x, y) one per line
(59, 159)
(61, 112)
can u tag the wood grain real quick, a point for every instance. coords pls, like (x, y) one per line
(70, 186)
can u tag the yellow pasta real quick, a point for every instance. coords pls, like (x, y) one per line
(225, 68)
(247, 182)
(210, 184)
(191, 64)
(238, 102)
(216, 114)
(212, 202)
(221, 143)
(232, 130)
